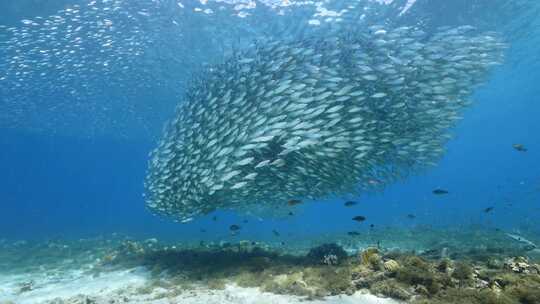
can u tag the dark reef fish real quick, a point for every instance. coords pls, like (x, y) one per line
(440, 191)
(350, 203)
(315, 117)
(359, 218)
(234, 228)
(519, 147)
(294, 202)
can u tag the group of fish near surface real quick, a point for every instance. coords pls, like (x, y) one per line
(79, 65)
(317, 117)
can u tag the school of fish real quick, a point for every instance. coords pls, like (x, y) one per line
(317, 117)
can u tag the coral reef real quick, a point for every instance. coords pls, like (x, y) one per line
(327, 270)
(370, 257)
(483, 276)
(328, 254)
(391, 266)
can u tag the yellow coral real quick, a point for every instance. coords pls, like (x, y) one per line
(370, 257)
(391, 266)
(366, 254)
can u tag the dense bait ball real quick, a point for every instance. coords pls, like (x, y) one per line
(316, 117)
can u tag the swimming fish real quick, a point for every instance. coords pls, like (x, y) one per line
(305, 119)
(350, 203)
(294, 202)
(519, 147)
(359, 218)
(521, 239)
(489, 209)
(440, 191)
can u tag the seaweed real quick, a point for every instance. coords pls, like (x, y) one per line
(468, 296)
(463, 272)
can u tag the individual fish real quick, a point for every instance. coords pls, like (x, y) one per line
(353, 233)
(519, 147)
(234, 228)
(350, 203)
(411, 216)
(488, 209)
(521, 239)
(359, 218)
(275, 232)
(379, 95)
(294, 202)
(440, 191)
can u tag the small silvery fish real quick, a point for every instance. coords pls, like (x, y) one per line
(301, 118)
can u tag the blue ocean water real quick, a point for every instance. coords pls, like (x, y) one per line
(75, 142)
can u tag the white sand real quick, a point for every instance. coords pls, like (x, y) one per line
(73, 286)
(238, 295)
(48, 286)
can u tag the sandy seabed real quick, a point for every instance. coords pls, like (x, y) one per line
(123, 286)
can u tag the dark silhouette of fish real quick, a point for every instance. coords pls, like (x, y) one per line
(411, 216)
(291, 213)
(519, 147)
(294, 202)
(489, 209)
(359, 218)
(350, 203)
(275, 232)
(234, 228)
(440, 191)
(353, 233)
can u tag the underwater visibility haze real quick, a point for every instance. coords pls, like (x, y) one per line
(242, 151)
